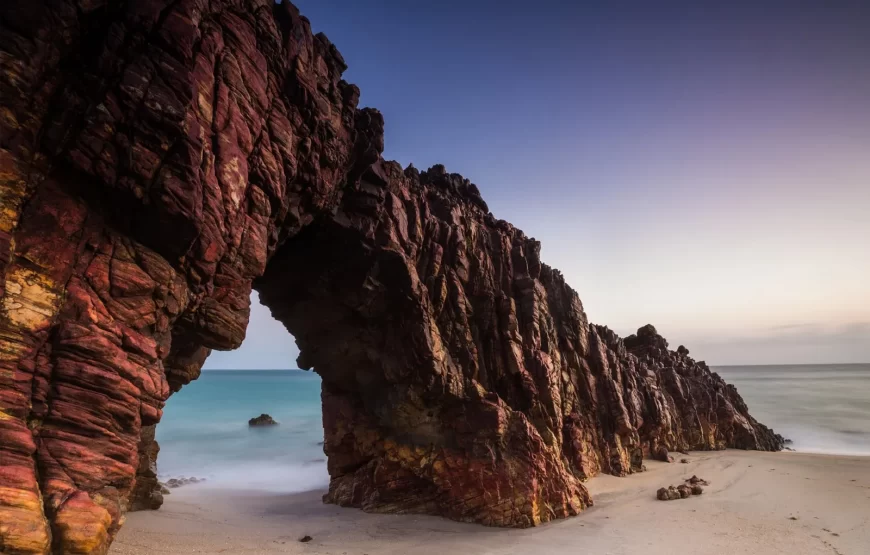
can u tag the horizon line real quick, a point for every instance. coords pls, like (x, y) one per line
(708, 364)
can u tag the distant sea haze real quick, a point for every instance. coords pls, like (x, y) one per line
(205, 433)
(822, 408)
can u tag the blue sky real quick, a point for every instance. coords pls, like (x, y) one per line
(699, 166)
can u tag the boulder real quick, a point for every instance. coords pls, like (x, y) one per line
(262, 420)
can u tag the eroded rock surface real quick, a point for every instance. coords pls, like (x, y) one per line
(158, 157)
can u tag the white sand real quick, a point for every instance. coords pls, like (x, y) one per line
(745, 510)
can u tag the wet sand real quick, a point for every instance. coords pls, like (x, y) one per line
(756, 503)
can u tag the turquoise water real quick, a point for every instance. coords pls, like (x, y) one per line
(204, 431)
(821, 408)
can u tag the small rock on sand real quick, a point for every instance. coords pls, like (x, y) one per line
(683, 491)
(305, 539)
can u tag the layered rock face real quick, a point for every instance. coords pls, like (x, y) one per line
(460, 374)
(159, 157)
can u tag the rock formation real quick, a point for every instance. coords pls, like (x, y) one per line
(262, 420)
(160, 157)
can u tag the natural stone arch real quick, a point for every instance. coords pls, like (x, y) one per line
(159, 157)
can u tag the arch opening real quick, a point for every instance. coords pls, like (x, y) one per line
(204, 432)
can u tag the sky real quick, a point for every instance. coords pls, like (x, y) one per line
(701, 166)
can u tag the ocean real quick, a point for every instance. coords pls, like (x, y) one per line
(822, 408)
(204, 431)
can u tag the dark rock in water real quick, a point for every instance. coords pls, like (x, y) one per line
(158, 159)
(178, 482)
(697, 489)
(685, 491)
(262, 420)
(305, 539)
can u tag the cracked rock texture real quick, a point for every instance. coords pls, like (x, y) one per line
(158, 158)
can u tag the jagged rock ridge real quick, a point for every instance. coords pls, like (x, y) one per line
(159, 157)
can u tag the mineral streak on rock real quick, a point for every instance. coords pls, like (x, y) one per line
(158, 157)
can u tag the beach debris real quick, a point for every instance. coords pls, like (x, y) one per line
(792, 518)
(690, 487)
(684, 461)
(683, 491)
(305, 539)
(262, 420)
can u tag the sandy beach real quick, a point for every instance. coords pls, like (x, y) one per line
(757, 503)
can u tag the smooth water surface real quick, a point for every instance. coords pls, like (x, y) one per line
(821, 408)
(204, 431)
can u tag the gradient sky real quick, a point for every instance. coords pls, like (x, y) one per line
(701, 166)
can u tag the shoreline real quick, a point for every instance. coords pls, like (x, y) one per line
(757, 502)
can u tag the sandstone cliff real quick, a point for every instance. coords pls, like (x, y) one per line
(160, 157)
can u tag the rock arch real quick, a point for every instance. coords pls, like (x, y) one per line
(159, 158)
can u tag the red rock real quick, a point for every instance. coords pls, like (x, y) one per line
(158, 159)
